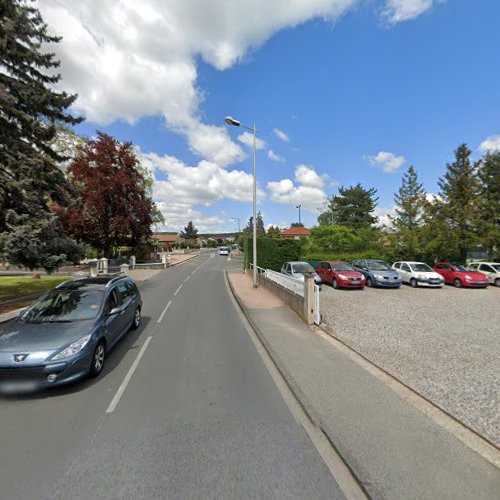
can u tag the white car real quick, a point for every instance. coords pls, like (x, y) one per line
(298, 270)
(418, 274)
(491, 269)
(224, 251)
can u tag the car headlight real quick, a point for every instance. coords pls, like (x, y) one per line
(73, 348)
(379, 276)
(343, 276)
(467, 277)
(422, 277)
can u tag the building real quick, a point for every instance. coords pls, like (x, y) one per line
(167, 241)
(295, 233)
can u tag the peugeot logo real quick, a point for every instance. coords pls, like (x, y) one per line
(18, 358)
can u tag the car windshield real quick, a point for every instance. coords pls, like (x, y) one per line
(496, 267)
(460, 269)
(378, 265)
(64, 306)
(342, 267)
(422, 268)
(301, 268)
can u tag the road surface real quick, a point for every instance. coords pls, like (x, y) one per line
(185, 408)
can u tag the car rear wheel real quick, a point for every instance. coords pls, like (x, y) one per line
(457, 283)
(369, 282)
(335, 283)
(98, 359)
(413, 283)
(497, 282)
(137, 319)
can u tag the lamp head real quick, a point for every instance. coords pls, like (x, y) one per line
(231, 121)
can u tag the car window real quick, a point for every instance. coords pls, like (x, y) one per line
(377, 265)
(406, 267)
(342, 267)
(111, 302)
(124, 291)
(485, 267)
(421, 268)
(397, 265)
(132, 288)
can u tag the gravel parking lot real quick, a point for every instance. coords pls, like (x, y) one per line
(444, 343)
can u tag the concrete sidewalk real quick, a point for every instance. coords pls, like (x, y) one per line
(394, 449)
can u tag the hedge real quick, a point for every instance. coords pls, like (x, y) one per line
(272, 252)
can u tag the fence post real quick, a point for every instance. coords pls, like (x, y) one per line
(93, 268)
(309, 299)
(124, 269)
(132, 261)
(103, 265)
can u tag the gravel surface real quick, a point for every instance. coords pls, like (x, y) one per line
(444, 343)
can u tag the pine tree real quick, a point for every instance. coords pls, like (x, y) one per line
(460, 194)
(410, 203)
(489, 175)
(273, 232)
(261, 230)
(30, 113)
(353, 207)
(190, 232)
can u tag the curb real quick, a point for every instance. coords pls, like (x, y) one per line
(10, 315)
(306, 411)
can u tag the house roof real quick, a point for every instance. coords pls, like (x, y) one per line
(296, 231)
(166, 238)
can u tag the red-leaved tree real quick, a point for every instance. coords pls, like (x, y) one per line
(112, 206)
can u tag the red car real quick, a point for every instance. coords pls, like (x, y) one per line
(459, 276)
(340, 274)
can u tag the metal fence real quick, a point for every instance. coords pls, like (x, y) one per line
(292, 284)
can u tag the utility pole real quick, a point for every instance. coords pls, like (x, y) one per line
(298, 206)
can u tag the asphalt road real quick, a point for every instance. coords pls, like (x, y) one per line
(200, 416)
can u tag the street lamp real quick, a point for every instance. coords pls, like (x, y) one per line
(298, 206)
(237, 219)
(237, 123)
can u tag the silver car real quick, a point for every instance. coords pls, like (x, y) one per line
(298, 270)
(66, 334)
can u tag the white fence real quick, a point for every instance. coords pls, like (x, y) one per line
(292, 284)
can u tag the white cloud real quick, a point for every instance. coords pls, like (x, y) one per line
(383, 215)
(274, 156)
(281, 135)
(247, 139)
(397, 11)
(389, 162)
(308, 177)
(127, 59)
(490, 144)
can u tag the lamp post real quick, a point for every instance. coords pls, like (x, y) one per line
(236, 219)
(237, 123)
(298, 206)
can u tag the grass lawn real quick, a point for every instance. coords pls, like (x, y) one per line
(17, 286)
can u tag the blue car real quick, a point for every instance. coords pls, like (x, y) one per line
(378, 273)
(66, 334)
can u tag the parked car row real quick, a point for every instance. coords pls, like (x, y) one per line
(377, 273)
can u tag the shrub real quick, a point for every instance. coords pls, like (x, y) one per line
(272, 253)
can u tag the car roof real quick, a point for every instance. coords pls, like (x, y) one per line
(96, 283)
(336, 262)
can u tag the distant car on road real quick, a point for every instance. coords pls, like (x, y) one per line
(340, 274)
(224, 251)
(378, 273)
(418, 274)
(66, 334)
(298, 270)
(490, 269)
(459, 276)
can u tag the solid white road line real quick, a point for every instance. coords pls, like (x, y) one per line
(164, 311)
(187, 279)
(126, 380)
(178, 290)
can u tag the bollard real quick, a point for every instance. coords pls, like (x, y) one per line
(132, 261)
(93, 268)
(309, 299)
(124, 269)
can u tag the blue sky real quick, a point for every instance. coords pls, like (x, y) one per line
(362, 89)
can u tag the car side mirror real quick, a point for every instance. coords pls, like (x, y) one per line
(115, 311)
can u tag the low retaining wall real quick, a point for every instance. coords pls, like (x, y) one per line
(296, 302)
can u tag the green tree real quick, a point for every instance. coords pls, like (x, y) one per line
(261, 230)
(489, 205)
(352, 207)
(31, 111)
(190, 232)
(274, 232)
(410, 203)
(460, 195)
(296, 224)
(332, 238)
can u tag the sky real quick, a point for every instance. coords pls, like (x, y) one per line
(340, 91)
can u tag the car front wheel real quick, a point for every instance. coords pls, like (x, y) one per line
(457, 283)
(497, 282)
(98, 359)
(335, 283)
(369, 282)
(137, 319)
(413, 283)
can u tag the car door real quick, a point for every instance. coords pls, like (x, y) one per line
(328, 272)
(488, 270)
(445, 271)
(114, 324)
(127, 303)
(405, 272)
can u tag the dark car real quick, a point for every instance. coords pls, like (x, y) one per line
(340, 274)
(378, 273)
(66, 334)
